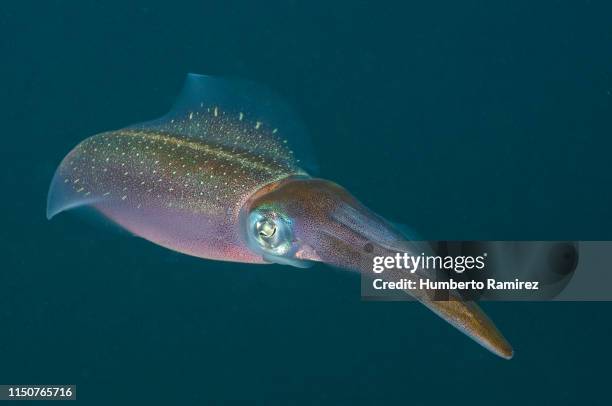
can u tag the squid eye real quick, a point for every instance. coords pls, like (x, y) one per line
(270, 231)
(266, 228)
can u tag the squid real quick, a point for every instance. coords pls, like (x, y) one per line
(226, 175)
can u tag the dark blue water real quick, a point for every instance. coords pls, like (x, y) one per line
(472, 119)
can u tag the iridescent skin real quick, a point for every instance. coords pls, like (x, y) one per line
(214, 181)
(182, 194)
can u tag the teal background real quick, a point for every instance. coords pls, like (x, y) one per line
(471, 119)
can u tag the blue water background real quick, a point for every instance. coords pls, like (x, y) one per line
(471, 119)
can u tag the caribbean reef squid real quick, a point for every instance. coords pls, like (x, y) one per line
(223, 176)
